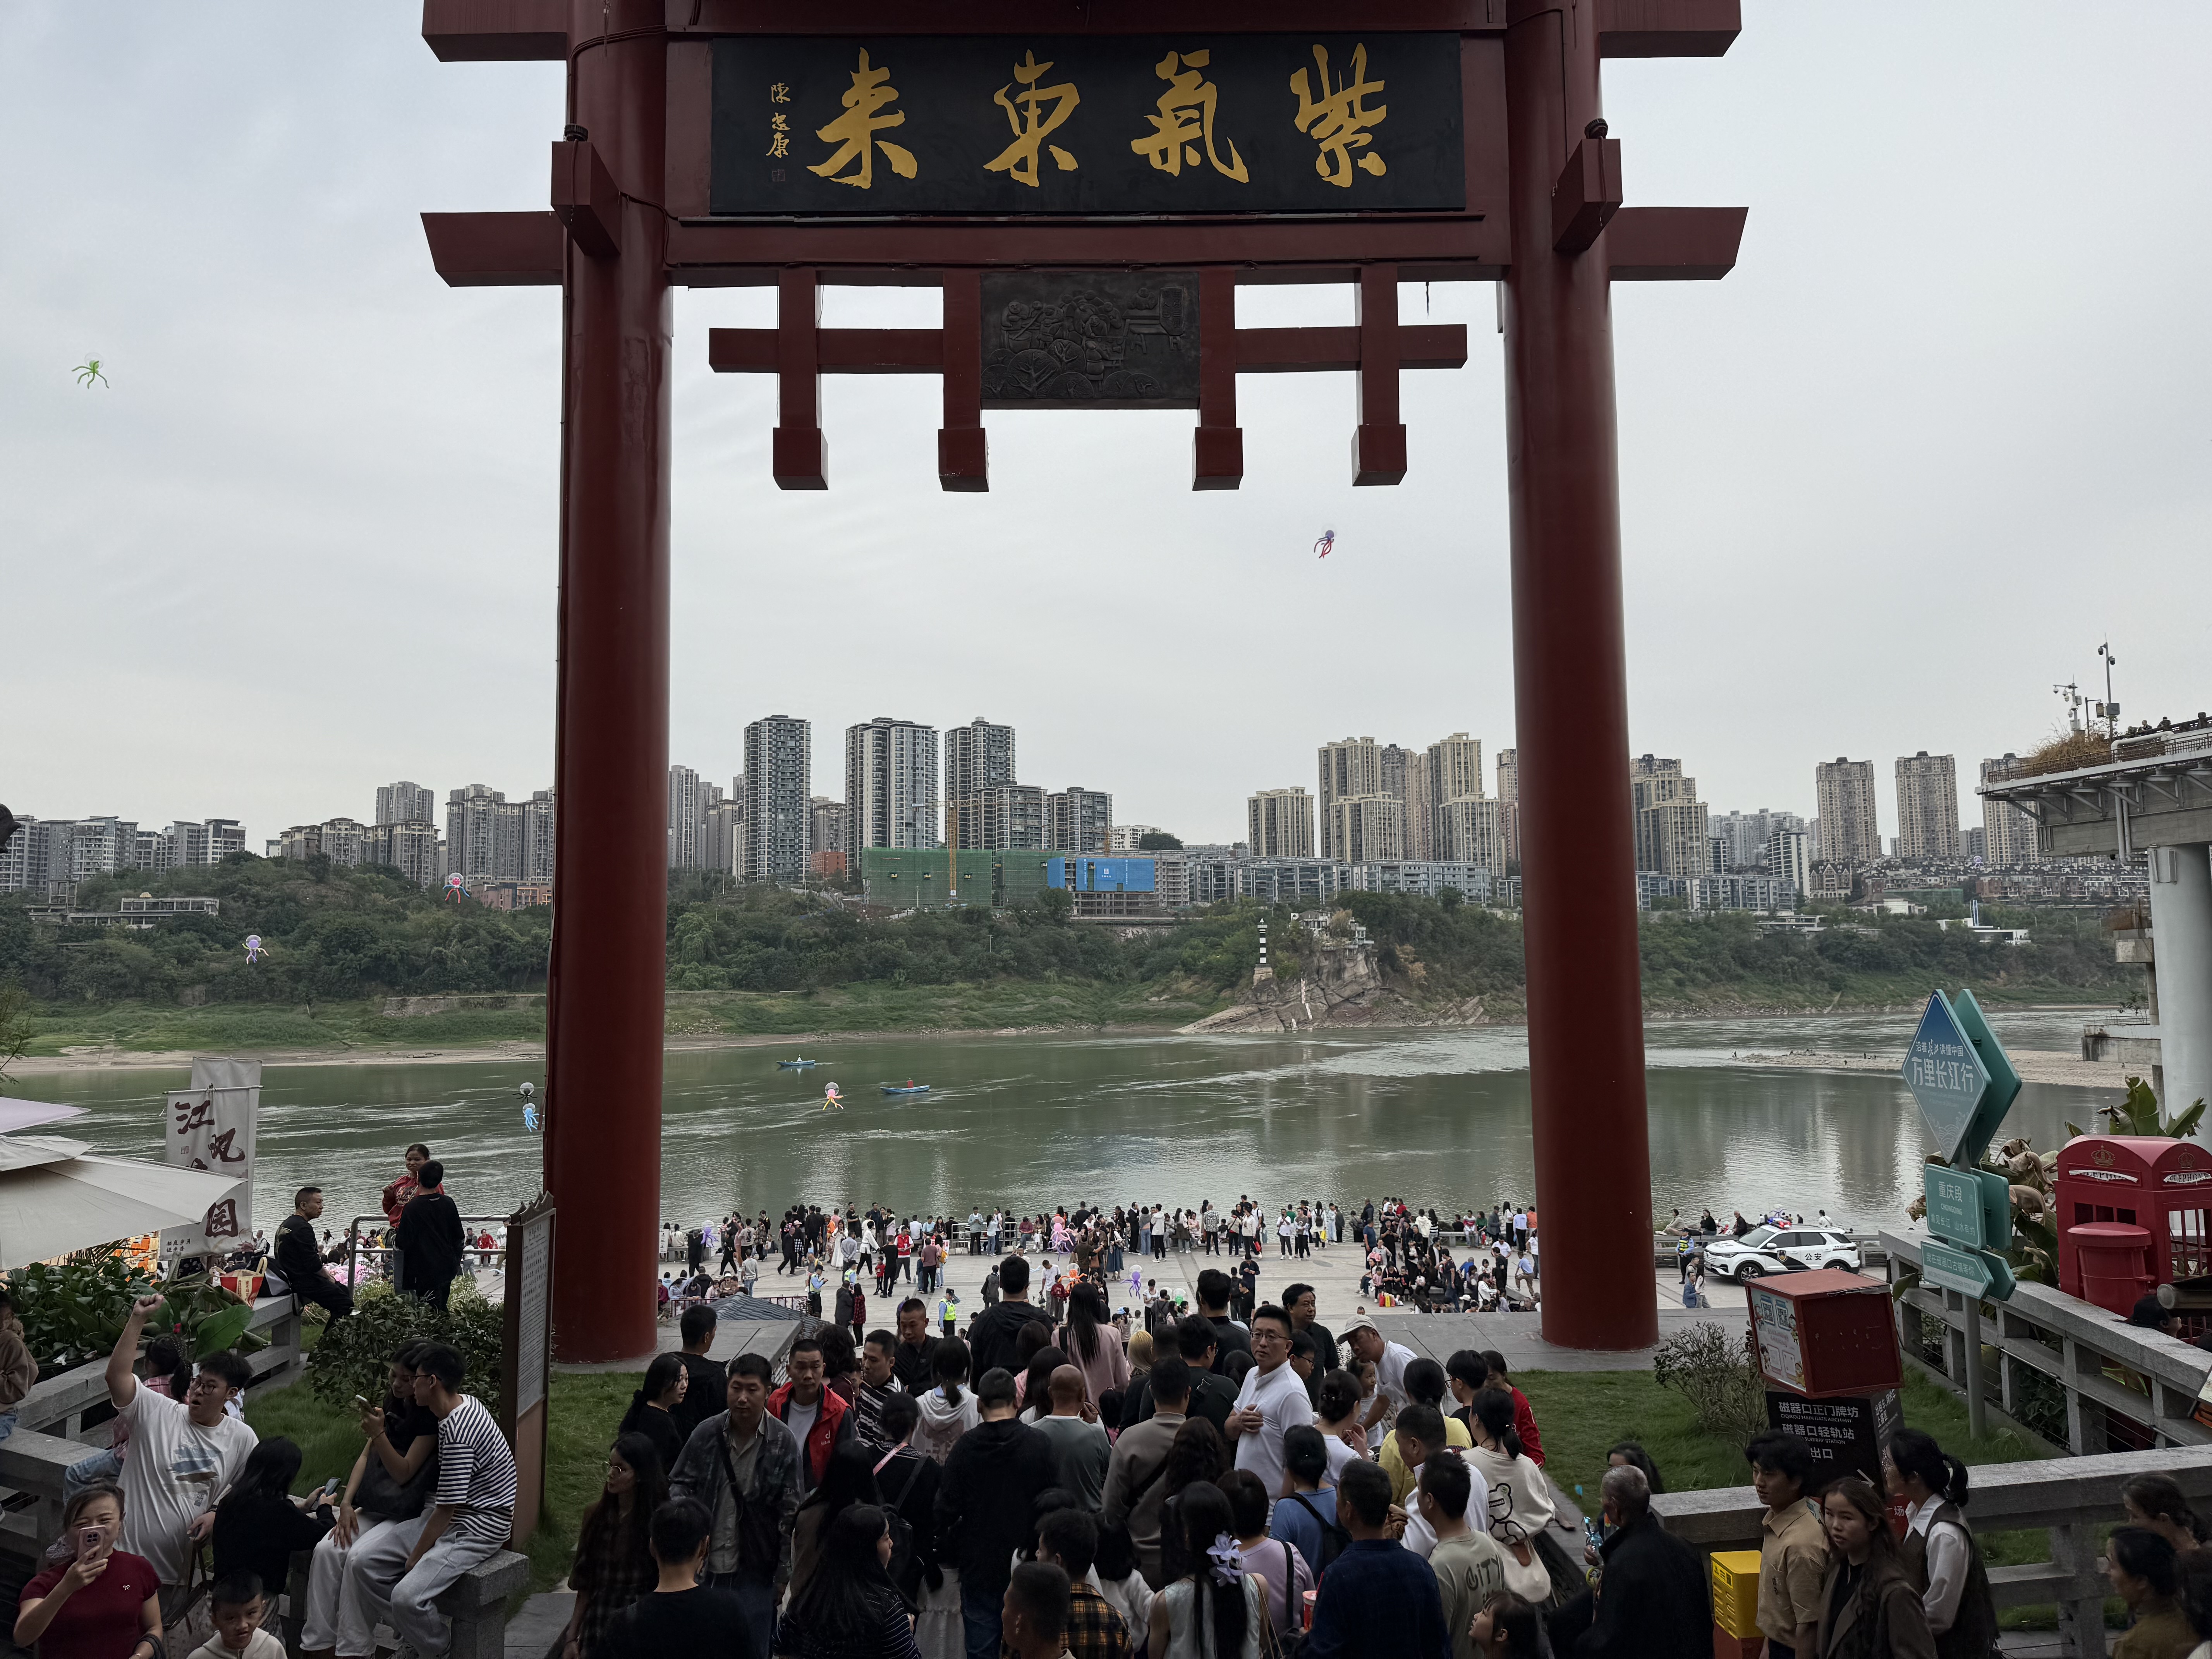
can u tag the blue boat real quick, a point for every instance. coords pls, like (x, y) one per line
(796, 1065)
(905, 1089)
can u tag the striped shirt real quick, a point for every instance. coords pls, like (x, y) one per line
(476, 1473)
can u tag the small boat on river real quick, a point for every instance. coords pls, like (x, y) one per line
(796, 1065)
(904, 1088)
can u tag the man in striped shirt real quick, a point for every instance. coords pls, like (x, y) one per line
(400, 1576)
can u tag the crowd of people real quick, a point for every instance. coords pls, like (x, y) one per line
(431, 1496)
(1407, 1256)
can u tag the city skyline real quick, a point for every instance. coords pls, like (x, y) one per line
(1981, 430)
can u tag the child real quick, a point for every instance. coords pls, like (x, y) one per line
(238, 1607)
(18, 1370)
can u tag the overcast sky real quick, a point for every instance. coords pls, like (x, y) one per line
(1942, 430)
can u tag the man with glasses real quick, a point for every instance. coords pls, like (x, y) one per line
(183, 1453)
(1271, 1400)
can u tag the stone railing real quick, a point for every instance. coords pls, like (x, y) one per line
(2076, 1377)
(2071, 1497)
(65, 1416)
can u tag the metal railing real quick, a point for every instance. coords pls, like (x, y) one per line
(2072, 1375)
(383, 1260)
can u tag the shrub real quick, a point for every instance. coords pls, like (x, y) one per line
(76, 1310)
(1719, 1378)
(355, 1354)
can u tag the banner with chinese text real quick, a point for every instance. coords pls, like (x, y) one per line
(211, 1126)
(1208, 123)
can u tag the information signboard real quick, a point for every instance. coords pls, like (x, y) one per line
(1971, 1208)
(1976, 1273)
(1946, 1076)
(211, 1127)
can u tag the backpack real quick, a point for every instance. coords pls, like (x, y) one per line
(1335, 1539)
(900, 1568)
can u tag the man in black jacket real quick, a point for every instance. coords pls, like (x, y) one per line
(298, 1261)
(993, 1339)
(1651, 1600)
(1211, 1396)
(429, 1237)
(986, 1504)
(1215, 1287)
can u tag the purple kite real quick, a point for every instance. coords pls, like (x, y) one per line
(1328, 541)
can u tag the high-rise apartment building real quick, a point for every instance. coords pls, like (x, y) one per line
(1448, 770)
(1671, 834)
(1788, 859)
(779, 771)
(979, 765)
(2008, 833)
(485, 834)
(1281, 823)
(1368, 829)
(537, 815)
(1843, 792)
(688, 801)
(1472, 832)
(1927, 806)
(1127, 836)
(1420, 797)
(405, 803)
(890, 784)
(1005, 817)
(1391, 759)
(1509, 792)
(825, 825)
(410, 848)
(1079, 820)
(1352, 766)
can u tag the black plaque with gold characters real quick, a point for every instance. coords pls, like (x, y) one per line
(1096, 125)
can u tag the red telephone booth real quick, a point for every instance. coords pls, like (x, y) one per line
(2112, 1182)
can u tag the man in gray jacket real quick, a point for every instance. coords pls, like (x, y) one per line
(743, 1465)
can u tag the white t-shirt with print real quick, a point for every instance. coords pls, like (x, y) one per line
(175, 1473)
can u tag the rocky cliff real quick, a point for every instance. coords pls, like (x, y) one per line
(1344, 985)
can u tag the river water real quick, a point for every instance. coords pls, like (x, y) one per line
(1437, 1117)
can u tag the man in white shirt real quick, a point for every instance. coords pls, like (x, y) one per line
(1421, 1436)
(1390, 1360)
(1271, 1400)
(183, 1453)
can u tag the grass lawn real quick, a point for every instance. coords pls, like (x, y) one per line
(585, 1410)
(1582, 1414)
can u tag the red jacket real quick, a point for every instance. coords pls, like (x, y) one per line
(1524, 1424)
(822, 1438)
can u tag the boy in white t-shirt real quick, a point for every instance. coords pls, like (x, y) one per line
(183, 1453)
(239, 1607)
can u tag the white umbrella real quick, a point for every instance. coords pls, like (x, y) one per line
(29, 1113)
(53, 1199)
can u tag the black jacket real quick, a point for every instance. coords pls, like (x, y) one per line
(991, 1339)
(916, 1367)
(985, 1500)
(707, 1392)
(430, 1243)
(1232, 1338)
(1651, 1602)
(297, 1259)
(913, 1479)
(258, 1534)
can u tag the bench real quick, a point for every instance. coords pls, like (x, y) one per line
(477, 1604)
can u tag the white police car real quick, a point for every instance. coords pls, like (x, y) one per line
(1765, 1250)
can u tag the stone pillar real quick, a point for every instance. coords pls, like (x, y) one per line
(2181, 930)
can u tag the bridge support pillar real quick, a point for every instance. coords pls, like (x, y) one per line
(2181, 930)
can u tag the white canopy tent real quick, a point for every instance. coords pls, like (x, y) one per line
(56, 1197)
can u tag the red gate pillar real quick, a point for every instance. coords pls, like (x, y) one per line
(611, 768)
(1571, 691)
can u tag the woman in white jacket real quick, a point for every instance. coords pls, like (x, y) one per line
(1521, 1505)
(948, 1411)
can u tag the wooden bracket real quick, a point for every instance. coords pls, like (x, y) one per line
(1586, 195)
(585, 199)
(496, 31)
(1218, 446)
(1378, 447)
(798, 457)
(497, 250)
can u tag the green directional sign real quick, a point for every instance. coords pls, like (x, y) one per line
(1971, 1208)
(2004, 1081)
(1947, 1077)
(1971, 1273)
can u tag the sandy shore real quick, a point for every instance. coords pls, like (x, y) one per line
(2033, 1065)
(123, 1060)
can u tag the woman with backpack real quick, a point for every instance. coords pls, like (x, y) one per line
(948, 1411)
(849, 1478)
(1940, 1555)
(849, 1608)
(1868, 1609)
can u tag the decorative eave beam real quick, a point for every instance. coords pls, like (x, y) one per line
(1673, 244)
(497, 250)
(1667, 28)
(496, 31)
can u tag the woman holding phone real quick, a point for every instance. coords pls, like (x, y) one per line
(100, 1602)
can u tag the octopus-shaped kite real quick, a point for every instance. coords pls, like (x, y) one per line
(255, 949)
(457, 886)
(87, 372)
(1328, 541)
